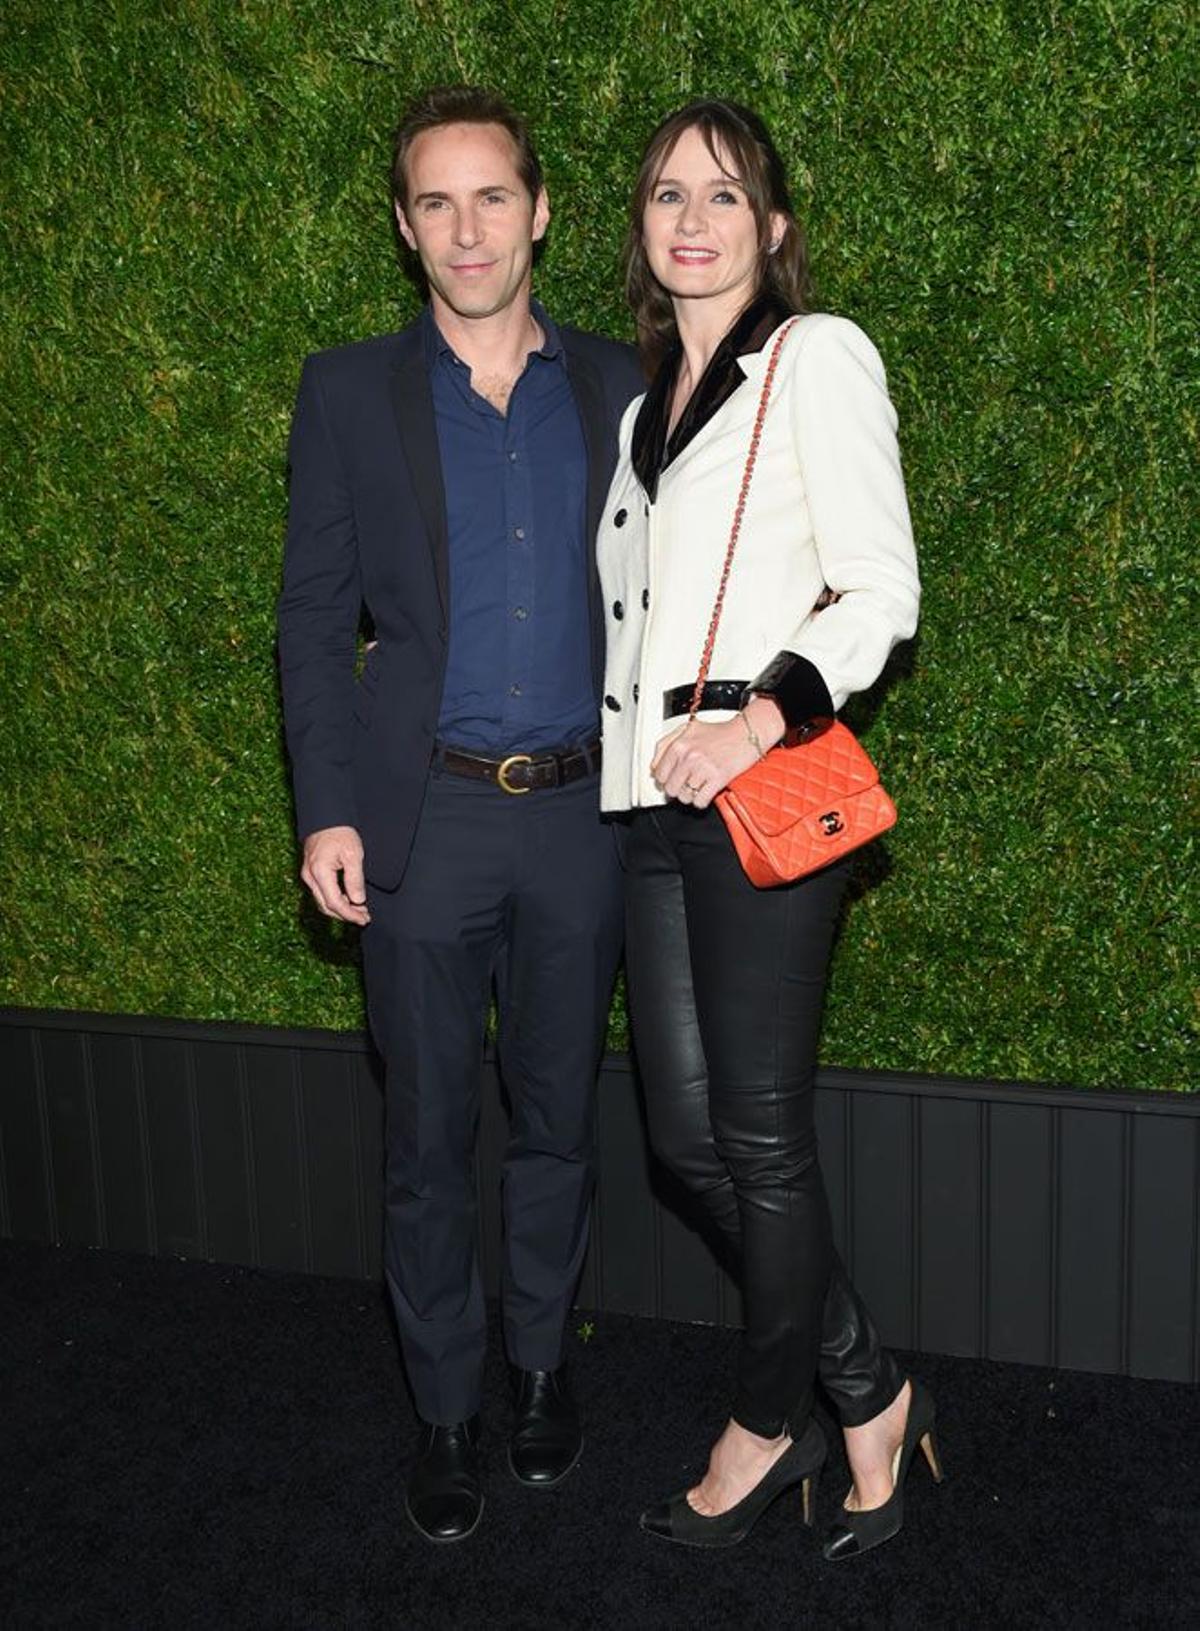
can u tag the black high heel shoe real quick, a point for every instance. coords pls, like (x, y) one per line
(857, 1532)
(800, 1463)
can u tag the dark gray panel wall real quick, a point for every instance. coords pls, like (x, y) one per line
(1042, 1225)
(948, 1182)
(226, 1162)
(122, 1144)
(1019, 1290)
(881, 1249)
(1091, 1229)
(1161, 1266)
(70, 1123)
(30, 1212)
(165, 1067)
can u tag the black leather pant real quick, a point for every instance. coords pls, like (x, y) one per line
(726, 984)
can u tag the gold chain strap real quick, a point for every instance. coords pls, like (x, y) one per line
(751, 458)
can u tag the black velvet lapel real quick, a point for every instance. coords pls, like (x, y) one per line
(652, 451)
(412, 402)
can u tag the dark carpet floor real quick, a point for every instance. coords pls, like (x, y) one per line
(187, 1444)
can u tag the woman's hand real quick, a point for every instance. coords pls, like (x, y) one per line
(696, 761)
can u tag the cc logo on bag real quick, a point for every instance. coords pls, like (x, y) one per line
(831, 823)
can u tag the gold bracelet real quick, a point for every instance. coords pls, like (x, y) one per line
(751, 733)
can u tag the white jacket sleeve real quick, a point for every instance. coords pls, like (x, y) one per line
(844, 427)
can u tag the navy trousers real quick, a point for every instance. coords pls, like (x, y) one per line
(520, 894)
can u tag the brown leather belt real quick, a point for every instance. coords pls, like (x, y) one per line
(521, 772)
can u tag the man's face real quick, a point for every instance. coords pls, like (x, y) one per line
(470, 218)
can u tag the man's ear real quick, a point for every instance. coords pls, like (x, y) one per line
(541, 214)
(406, 232)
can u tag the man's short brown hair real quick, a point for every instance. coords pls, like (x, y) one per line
(462, 105)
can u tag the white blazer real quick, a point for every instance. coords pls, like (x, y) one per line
(827, 508)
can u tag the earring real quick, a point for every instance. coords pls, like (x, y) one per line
(774, 247)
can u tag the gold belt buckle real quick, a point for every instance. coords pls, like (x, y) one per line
(506, 765)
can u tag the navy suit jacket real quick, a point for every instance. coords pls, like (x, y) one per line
(367, 526)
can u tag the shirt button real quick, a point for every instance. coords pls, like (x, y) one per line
(645, 600)
(512, 458)
(620, 518)
(514, 690)
(618, 610)
(635, 693)
(519, 533)
(611, 702)
(520, 614)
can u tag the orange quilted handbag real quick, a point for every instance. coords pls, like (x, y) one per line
(799, 808)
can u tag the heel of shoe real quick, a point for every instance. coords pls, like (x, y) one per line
(929, 1448)
(808, 1498)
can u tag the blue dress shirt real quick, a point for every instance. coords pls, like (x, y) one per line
(518, 671)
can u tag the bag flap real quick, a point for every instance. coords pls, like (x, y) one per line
(788, 784)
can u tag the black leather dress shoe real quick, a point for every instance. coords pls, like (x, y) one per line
(444, 1496)
(546, 1438)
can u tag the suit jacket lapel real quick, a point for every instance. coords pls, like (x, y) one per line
(588, 391)
(589, 398)
(412, 403)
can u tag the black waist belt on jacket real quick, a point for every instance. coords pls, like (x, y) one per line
(716, 694)
(521, 772)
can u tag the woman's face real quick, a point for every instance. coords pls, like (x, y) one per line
(699, 231)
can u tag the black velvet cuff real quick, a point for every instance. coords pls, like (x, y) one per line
(796, 687)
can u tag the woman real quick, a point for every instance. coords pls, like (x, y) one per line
(725, 980)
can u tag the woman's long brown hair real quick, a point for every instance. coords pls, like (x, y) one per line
(741, 144)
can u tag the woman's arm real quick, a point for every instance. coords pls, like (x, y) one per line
(844, 432)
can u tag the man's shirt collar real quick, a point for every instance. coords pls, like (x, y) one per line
(437, 346)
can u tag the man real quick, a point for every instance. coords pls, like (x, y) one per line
(449, 478)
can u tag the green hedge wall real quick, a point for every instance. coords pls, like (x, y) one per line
(999, 192)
